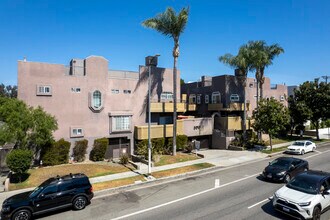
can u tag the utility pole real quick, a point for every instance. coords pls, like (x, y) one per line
(326, 79)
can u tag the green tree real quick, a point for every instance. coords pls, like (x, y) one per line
(8, 91)
(242, 63)
(316, 96)
(271, 118)
(25, 126)
(19, 161)
(299, 114)
(172, 25)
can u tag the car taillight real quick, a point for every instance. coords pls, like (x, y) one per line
(91, 189)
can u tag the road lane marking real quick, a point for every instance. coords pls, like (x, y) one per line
(314, 155)
(258, 203)
(184, 198)
(216, 183)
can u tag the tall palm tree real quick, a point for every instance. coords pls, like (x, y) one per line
(172, 25)
(271, 51)
(241, 62)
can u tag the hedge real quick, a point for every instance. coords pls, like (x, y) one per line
(99, 148)
(56, 153)
(79, 150)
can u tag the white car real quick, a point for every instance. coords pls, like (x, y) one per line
(301, 147)
(306, 196)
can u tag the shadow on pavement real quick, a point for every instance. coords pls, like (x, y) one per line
(268, 208)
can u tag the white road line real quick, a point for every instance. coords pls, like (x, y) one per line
(184, 198)
(314, 155)
(216, 183)
(258, 203)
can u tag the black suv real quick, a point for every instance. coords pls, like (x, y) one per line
(55, 193)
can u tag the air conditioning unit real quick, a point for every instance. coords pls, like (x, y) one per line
(151, 61)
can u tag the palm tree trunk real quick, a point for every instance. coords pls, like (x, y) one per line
(174, 104)
(244, 112)
(257, 105)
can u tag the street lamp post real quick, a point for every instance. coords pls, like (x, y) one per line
(150, 61)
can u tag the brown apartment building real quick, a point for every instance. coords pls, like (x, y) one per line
(90, 101)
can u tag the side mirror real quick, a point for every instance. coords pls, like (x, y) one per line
(291, 167)
(325, 192)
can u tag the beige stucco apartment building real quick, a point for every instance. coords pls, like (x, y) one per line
(90, 101)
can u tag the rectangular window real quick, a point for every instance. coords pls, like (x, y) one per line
(206, 99)
(75, 89)
(282, 97)
(77, 132)
(234, 98)
(166, 96)
(44, 90)
(115, 91)
(127, 91)
(199, 99)
(192, 99)
(121, 123)
(216, 97)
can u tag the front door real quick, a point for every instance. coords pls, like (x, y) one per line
(47, 199)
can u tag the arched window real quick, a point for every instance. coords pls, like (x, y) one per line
(97, 101)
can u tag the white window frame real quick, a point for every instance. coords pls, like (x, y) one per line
(76, 132)
(121, 123)
(45, 90)
(166, 96)
(115, 91)
(214, 97)
(97, 104)
(206, 99)
(127, 91)
(199, 99)
(76, 89)
(282, 97)
(192, 99)
(234, 98)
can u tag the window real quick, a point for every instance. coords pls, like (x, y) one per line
(44, 90)
(50, 190)
(114, 91)
(121, 123)
(216, 97)
(77, 132)
(127, 91)
(199, 99)
(192, 99)
(234, 98)
(282, 98)
(97, 99)
(75, 89)
(166, 96)
(206, 99)
(251, 85)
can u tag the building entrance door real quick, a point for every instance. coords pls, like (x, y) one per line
(117, 147)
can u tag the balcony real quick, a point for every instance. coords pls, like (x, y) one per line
(215, 106)
(191, 107)
(159, 107)
(158, 131)
(231, 123)
(232, 107)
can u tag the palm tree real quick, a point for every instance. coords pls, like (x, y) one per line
(241, 62)
(172, 25)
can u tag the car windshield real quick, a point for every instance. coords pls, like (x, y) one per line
(303, 184)
(298, 143)
(38, 189)
(280, 163)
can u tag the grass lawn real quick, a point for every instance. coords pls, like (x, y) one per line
(161, 160)
(117, 183)
(181, 170)
(37, 176)
(274, 150)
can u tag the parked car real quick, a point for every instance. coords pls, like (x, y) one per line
(283, 169)
(306, 196)
(301, 147)
(55, 193)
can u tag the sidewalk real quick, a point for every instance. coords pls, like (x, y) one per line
(219, 158)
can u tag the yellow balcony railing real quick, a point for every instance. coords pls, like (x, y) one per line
(192, 107)
(158, 131)
(167, 107)
(215, 106)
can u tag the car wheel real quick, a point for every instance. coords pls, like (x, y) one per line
(22, 214)
(316, 213)
(302, 152)
(287, 178)
(79, 203)
(313, 149)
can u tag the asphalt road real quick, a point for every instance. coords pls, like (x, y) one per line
(231, 193)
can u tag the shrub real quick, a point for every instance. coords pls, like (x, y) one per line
(99, 148)
(19, 161)
(158, 147)
(56, 153)
(124, 159)
(79, 150)
(181, 142)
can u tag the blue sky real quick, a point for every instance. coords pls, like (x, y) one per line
(57, 31)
